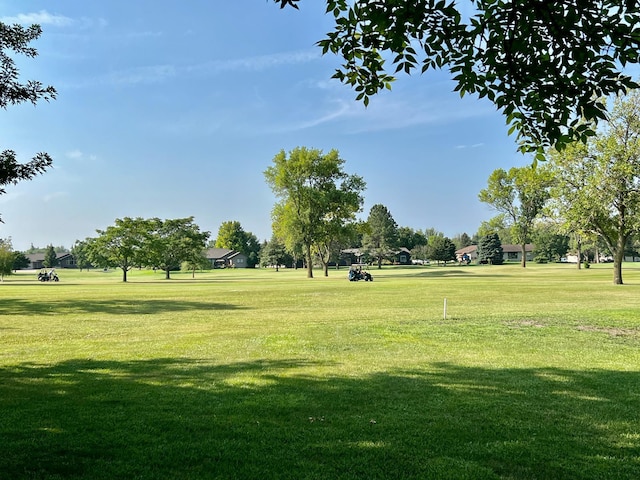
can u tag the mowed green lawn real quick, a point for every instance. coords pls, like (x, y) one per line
(239, 374)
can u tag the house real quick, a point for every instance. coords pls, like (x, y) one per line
(65, 260)
(510, 253)
(471, 252)
(513, 253)
(225, 258)
(350, 256)
(403, 256)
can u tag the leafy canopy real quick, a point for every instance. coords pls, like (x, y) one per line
(15, 39)
(545, 65)
(598, 184)
(317, 199)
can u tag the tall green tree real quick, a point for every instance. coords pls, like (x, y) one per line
(544, 65)
(50, 257)
(462, 240)
(20, 261)
(16, 40)
(122, 245)
(173, 241)
(410, 238)
(81, 254)
(232, 236)
(597, 183)
(316, 198)
(550, 245)
(441, 249)
(520, 194)
(381, 239)
(274, 253)
(498, 225)
(7, 257)
(490, 250)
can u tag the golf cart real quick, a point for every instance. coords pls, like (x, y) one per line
(356, 273)
(51, 276)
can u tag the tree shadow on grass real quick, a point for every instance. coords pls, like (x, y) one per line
(184, 419)
(438, 272)
(111, 306)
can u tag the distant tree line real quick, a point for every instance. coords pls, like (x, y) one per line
(584, 199)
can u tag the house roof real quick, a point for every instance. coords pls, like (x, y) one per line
(216, 253)
(39, 257)
(468, 249)
(517, 248)
(220, 253)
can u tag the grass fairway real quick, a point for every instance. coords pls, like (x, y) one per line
(238, 374)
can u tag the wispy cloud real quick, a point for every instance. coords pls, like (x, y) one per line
(475, 145)
(342, 110)
(55, 195)
(158, 73)
(258, 63)
(41, 18)
(141, 75)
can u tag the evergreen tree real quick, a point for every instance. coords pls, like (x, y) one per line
(50, 257)
(490, 250)
(382, 236)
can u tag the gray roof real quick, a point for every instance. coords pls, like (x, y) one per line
(219, 253)
(39, 257)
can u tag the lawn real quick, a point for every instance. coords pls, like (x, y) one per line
(242, 374)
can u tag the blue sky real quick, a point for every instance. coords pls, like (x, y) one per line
(172, 109)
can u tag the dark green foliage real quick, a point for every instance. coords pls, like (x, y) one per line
(544, 65)
(232, 236)
(317, 204)
(50, 257)
(15, 39)
(462, 240)
(274, 253)
(7, 257)
(441, 249)
(410, 238)
(490, 250)
(81, 255)
(168, 243)
(20, 261)
(549, 246)
(381, 238)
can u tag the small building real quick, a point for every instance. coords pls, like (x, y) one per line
(349, 256)
(471, 252)
(510, 253)
(513, 253)
(225, 258)
(403, 256)
(65, 260)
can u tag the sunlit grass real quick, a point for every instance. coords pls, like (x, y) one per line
(260, 374)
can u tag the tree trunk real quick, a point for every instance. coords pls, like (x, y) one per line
(325, 267)
(618, 257)
(524, 255)
(307, 254)
(167, 275)
(124, 274)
